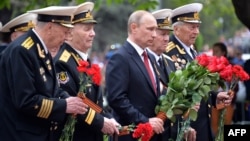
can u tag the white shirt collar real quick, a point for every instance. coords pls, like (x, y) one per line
(157, 57)
(138, 49)
(187, 48)
(43, 44)
(83, 55)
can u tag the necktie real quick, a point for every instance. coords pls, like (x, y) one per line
(150, 73)
(89, 61)
(161, 63)
(192, 52)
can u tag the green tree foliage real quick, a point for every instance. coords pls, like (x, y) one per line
(218, 17)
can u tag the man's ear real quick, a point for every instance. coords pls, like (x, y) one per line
(69, 35)
(133, 27)
(13, 36)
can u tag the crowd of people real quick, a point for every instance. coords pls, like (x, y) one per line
(40, 79)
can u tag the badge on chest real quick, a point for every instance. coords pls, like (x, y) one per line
(63, 77)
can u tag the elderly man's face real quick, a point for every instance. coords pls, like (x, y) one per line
(58, 35)
(160, 41)
(187, 32)
(83, 36)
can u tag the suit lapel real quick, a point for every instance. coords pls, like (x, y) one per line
(45, 59)
(163, 74)
(168, 65)
(187, 56)
(47, 64)
(180, 47)
(138, 61)
(74, 54)
(161, 77)
(156, 72)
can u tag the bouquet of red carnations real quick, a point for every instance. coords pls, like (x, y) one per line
(89, 74)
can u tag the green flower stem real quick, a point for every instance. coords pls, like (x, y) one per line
(220, 136)
(184, 127)
(82, 86)
(69, 128)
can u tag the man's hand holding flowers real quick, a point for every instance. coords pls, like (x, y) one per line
(110, 126)
(228, 73)
(75, 105)
(196, 107)
(224, 99)
(190, 134)
(89, 75)
(116, 125)
(142, 131)
(157, 124)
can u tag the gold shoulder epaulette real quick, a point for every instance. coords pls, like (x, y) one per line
(76, 57)
(181, 51)
(171, 43)
(170, 46)
(28, 43)
(65, 56)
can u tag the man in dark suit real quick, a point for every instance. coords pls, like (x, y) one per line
(92, 125)
(131, 84)
(31, 103)
(186, 23)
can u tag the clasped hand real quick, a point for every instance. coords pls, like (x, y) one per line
(75, 105)
(110, 126)
(225, 98)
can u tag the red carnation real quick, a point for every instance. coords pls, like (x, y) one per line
(143, 131)
(82, 66)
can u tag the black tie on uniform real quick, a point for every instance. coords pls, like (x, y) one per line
(161, 63)
(192, 52)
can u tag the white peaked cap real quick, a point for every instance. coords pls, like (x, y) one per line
(162, 17)
(187, 13)
(21, 23)
(57, 14)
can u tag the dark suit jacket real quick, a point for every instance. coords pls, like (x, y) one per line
(30, 104)
(129, 89)
(203, 123)
(66, 62)
(2, 47)
(163, 75)
(166, 69)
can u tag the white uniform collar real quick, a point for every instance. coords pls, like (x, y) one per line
(187, 48)
(43, 44)
(157, 57)
(83, 55)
